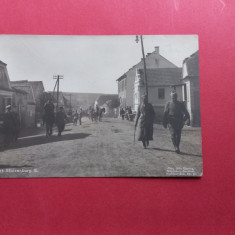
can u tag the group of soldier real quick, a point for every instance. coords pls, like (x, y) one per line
(174, 117)
(60, 118)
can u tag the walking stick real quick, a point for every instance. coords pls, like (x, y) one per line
(134, 135)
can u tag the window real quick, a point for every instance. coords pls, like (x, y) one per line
(161, 93)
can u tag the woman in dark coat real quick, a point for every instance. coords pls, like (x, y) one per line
(146, 115)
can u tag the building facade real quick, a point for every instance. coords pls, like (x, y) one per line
(6, 91)
(191, 94)
(30, 117)
(126, 82)
(161, 82)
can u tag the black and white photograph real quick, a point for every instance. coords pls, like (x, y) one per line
(100, 106)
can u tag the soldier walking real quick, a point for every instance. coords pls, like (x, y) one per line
(146, 115)
(80, 116)
(75, 118)
(60, 120)
(175, 115)
(49, 116)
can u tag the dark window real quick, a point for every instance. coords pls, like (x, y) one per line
(161, 93)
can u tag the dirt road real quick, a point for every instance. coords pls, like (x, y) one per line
(102, 149)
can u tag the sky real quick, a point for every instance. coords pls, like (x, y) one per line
(89, 64)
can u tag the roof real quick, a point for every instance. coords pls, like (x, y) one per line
(5, 89)
(122, 77)
(102, 99)
(192, 64)
(19, 91)
(162, 76)
(2, 63)
(25, 86)
(155, 53)
(38, 88)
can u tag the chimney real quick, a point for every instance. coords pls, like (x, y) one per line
(157, 50)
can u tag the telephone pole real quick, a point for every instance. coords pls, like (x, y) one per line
(57, 84)
(145, 70)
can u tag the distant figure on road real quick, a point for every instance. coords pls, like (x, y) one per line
(80, 112)
(122, 113)
(60, 120)
(75, 118)
(10, 126)
(175, 114)
(91, 113)
(49, 117)
(146, 115)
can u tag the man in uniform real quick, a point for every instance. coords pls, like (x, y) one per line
(49, 116)
(80, 112)
(75, 118)
(175, 115)
(60, 120)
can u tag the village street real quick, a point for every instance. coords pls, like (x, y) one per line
(101, 149)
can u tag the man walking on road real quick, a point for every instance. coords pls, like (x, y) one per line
(60, 120)
(175, 114)
(146, 115)
(49, 116)
(80, 116)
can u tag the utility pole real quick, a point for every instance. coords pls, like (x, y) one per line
(145, 70)
(57, 84)
(70, 106)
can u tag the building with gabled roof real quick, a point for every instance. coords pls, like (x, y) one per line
(6, 91)
(24, 85)
(127, 80)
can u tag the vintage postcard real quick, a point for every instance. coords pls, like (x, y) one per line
(100, 106)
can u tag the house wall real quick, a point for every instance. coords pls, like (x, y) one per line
(19, 102)
(30, 115)
(153, 60)
(122, 92)
(194, 104)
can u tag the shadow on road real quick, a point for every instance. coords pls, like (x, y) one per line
(165, 150)
(9, 166)
(42, 139)
(190, 154)
(181, 153)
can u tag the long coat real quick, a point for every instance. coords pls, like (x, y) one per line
(60, 119)
(146, 115)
